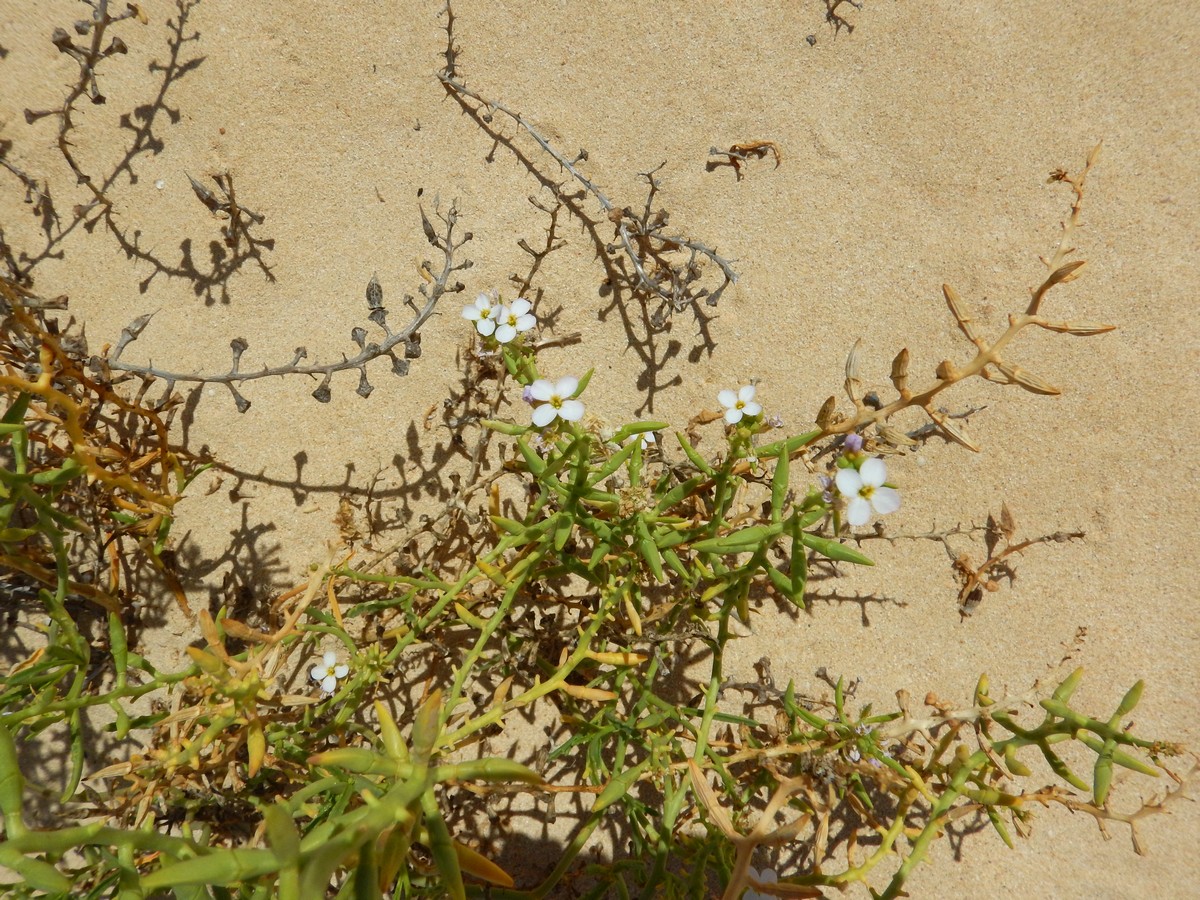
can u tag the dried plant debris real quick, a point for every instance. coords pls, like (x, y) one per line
(398, 346)
(741, 153)
(649, 260)
(991, 359)
(975, 580)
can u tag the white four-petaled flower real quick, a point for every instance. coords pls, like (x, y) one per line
(739, 404)
(483, 312)
(554, 401)
(328, 673)
(513, 319)
(864, 490)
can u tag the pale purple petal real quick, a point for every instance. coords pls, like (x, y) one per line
(873, 472)
(733, 415)
(329, 684)
(544, 415)
(485, 326)
(566, 387)
(885, 500)
(526, 322)
(520, 306)
(541, 390)
(858, 511)
(571, 410)
(853, 443)
(849, 482)
(746, 394)
(728, 399)
(505, 333)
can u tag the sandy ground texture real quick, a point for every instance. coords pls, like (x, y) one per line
(914, 150)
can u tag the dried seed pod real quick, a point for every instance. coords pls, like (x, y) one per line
(241, 402)
(952, 429)
(965, 322)
(238, 346)
(364, 387)
(323, 394)
(1080, 329)
(900, 372)
(374, 293)
(1027, 380)
(892, 435)
(131, 332)
(854, 386)
(1065, 273)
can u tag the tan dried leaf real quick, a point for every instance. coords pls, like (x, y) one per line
(1008, 525)
(826, 413)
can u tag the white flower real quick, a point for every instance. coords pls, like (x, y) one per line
(514, 319)
(483, 312)
(328, 673)
(555, 400)
(739, 404)
(766, 876)
(864, 489)
(648, 439)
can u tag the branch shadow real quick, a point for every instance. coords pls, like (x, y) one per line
(226, 256)
(643, 316)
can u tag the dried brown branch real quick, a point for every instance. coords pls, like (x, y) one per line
(988, 356)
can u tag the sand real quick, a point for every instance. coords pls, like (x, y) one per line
(915, 150)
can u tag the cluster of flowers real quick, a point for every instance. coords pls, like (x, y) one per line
(860, 481)
(503, 322)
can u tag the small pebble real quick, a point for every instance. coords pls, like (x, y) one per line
(160, 184)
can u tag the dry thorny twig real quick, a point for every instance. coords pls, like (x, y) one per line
(641, 238)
